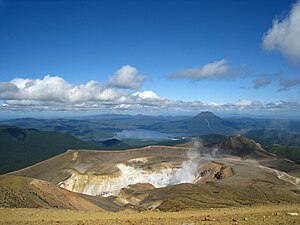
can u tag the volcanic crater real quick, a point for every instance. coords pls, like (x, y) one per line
(236, 172)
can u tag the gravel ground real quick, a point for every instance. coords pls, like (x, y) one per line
(268, 214)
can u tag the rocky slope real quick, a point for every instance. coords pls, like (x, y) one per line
(22, 192)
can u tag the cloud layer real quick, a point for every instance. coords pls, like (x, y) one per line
(120, 93)
(216, 69)
(53, 93)
(284, 35)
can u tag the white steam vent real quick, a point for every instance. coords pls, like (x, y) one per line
(186, 173)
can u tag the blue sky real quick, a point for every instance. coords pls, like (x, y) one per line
(163, 48)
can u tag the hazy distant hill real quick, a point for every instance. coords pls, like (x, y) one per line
(209, 123)
(93, 127)
(272, 136)
(23, 147)
(282, 143)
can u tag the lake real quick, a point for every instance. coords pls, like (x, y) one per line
(141, 134)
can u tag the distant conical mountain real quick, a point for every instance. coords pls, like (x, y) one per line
(205, 114)
(203, 123)
(207, 119)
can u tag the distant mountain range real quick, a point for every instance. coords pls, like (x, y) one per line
(207, 122)
(97, 127)
(101, 127)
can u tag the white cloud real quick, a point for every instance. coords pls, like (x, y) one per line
(8, 89)
(243, 102)
(216, 69)
(246, 104)
(56, 89)
(284, 35)
(146, 95)
(127, 77)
